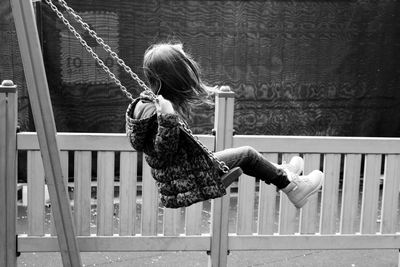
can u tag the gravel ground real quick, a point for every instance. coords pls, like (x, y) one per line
(328, 258)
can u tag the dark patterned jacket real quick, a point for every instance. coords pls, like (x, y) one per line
(183, 172)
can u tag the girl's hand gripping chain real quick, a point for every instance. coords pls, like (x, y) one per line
(163, 105)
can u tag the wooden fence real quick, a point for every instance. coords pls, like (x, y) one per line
(116, 207)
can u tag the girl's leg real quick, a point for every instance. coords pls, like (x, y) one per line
(298, 188)
(254, 164)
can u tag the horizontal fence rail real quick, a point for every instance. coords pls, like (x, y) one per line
(116, 206)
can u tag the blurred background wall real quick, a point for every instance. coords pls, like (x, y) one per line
(297, 67)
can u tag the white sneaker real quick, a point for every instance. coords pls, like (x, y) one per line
(295, 166)
(302, 187)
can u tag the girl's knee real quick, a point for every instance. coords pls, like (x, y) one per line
(249, 151)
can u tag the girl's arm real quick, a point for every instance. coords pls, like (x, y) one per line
(167, 138)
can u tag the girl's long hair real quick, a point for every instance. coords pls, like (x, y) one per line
(174, 74)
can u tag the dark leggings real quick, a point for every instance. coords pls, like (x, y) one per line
(254, 164)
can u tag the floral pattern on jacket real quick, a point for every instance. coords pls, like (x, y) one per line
(183, 172)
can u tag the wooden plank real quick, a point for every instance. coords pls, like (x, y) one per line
(267, 203)
(35, 75)
(330, 194)
(319, 144)
(264, 143)
(3, 181)
(8, 86)
(223, 123)
(287, 211)
(193, 219)
(36, 202)
(150, 202)
(91, 141)
(350, 193)
(202, 243)
(245, 209)
(119, 244)
(127, 193)
(313, 242)
(64, 166)
(370, 197)
(8, 176)
(171, 221)
(11, 176)
(390, 198)
(105, 192)
(228, 132)
(82, 191)
(309, 213)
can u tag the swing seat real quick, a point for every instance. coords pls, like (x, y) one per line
(231, 176)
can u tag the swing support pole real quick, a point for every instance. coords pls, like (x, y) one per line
(39, 96)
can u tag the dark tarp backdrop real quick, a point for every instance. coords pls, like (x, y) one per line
(297, 67)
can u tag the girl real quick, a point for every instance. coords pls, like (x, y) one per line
(183, 172)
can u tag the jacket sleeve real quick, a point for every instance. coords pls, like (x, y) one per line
(167, 137)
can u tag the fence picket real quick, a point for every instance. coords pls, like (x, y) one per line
(171, 221)
(82, 191)
(390, 198)
(36, 201)
(330, 194)
(287, 211)
(267, 203)
(127, 193)
(193, 219)
(245, 210)
(105, 192)
(351, 184)
(308, 214)
(150, 202)
(370, 198)
(64, 166)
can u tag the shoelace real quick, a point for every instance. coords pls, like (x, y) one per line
(298, 181)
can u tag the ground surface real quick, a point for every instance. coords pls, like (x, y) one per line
(314, 258)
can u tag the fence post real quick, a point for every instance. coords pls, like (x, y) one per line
(223, 124)
(8, 181)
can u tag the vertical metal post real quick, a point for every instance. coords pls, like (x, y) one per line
(39, 96)
(8, 181)
(224, 107)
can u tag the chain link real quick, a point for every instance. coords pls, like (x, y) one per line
(106, 47)
(221, 165)
(89, 49)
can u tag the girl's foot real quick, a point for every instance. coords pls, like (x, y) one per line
(302, 187)
(295, 166)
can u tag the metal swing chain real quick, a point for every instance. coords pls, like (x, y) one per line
(101, 42)
(89, 49)
(221, 165)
